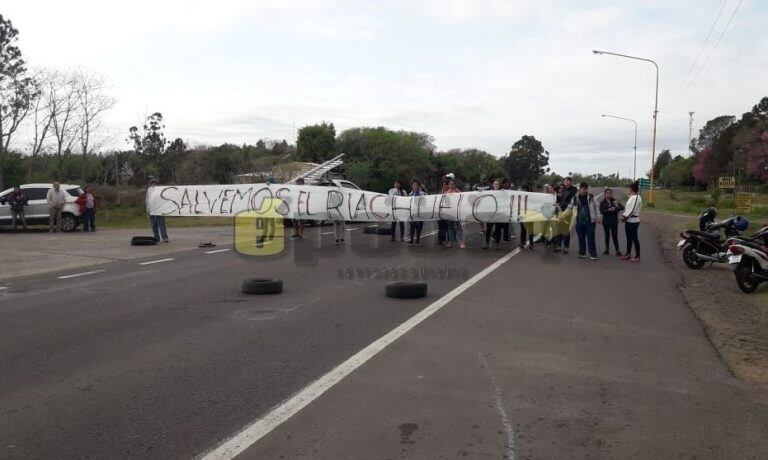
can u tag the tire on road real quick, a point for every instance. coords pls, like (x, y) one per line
(370, 230)
(383, 230)
(262, 286)
(406, 289)
(143, 241)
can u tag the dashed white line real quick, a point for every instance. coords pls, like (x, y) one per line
(277, 416)
(156, 261)
(327, 233)
(80, 274)
(3, 288)
(350, 229)
(216, 251)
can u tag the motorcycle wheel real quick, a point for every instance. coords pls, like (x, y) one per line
(744, 278)
(690, 259)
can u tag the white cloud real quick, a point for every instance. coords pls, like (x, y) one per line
(471, 73)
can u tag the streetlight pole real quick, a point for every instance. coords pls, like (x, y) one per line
(655, 112)
(634, 171)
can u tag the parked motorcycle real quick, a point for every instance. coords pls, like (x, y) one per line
(751, 260)
(706, 244)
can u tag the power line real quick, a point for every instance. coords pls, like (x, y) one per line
(701, 51)
(722, 34)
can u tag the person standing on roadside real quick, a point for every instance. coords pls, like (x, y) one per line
(18, 201)
(587, 216)
(631, 218)
(526, 228)
(159, 229)
(415, 227)
(564, 199)
(87, 203)
(397, 190)
(455, 230)
(610, 209)
(56, 199)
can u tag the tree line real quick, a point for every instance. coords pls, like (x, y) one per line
(725, 147)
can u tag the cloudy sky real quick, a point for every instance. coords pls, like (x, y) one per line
(471, 73)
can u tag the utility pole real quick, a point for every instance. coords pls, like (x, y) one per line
(690, 131)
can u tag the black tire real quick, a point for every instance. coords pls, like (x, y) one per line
(406, 289)
(262, 286)
(68, 223)
(370, 230)
(690, 259)
(143, 241)
(383, 231)
(744, 278)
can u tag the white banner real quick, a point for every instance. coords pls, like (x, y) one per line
(333, 203)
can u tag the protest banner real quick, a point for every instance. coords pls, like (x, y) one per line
(310, 202)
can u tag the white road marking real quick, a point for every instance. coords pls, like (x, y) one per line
(280, 414)
(3, 288)
(80, 274)
(216, 251)
(499, 398)
(327, 233)
(428, 233)
(156, 261)
(350, 229)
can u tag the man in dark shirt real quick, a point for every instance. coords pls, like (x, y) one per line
(610, 208)
(567, 192)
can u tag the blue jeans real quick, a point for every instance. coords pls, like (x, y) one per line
(158, 227)
(586, 234)
(89, 219)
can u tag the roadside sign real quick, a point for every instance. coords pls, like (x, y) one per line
(726, 183)
(645, 184)
(744, 203)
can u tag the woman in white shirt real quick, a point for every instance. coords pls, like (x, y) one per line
(631, 218)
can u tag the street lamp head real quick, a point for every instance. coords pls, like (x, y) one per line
(596, 52)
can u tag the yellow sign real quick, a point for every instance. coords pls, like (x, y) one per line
(726, 182)
(744, 203)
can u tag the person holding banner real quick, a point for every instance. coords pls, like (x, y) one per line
(442, 224)
(159, 229)
(564, 198)
(397, 190)
(298, 224)
(415, 226)
(494, 228)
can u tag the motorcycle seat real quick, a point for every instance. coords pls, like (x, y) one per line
(708, 235)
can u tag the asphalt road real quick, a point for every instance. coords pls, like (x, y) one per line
(546, 357)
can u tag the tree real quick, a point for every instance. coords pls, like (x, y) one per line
(149, 145)
(316, 143)
(527, 160)
(63, 105)
(664, 158)
(711, 131)
(17, 90)
(678, 172)
(92, 103)
(376, 157)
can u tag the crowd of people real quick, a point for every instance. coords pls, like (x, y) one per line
(577, 208)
